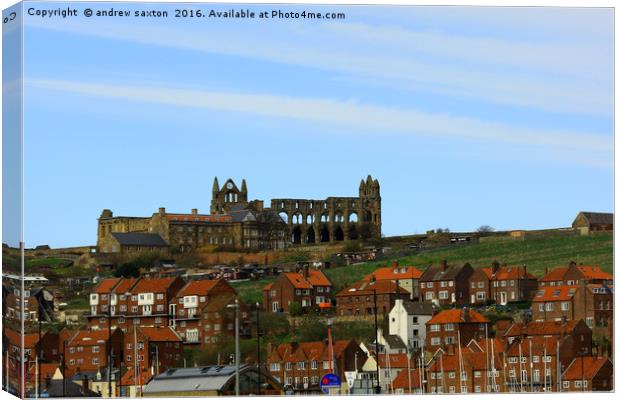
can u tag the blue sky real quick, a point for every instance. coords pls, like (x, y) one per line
(467, 116)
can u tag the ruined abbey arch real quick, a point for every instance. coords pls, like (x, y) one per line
(334, 219)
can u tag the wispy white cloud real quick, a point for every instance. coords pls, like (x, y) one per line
(592, 149)
(547, 77)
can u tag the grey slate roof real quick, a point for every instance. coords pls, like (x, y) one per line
(139, 239)
(394, 342)
(437, 273)
(414, 308)
(200, 379)
(599, 218)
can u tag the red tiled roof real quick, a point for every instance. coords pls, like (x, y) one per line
(381, 287)
(492, 344)
(395, 360)
(198, 218)
(14, 337)
(317, 278)
(488, 271)
(591, 365)
(541, 328)
(196, 288)
(512, 272)
(46, 369)
(152, 285)
(456, 316)
(86, 337)
(106, 285)
(541, 345)
(473, 360)
(594, 272)
(298, 281)
(556, 274)
(306, 351)
(394, 273)
(268, 286)
(555, 293)
(128, 378)
(407, 379)
(160, 334)
(125, 285)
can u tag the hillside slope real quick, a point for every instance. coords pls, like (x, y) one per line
(537, 254)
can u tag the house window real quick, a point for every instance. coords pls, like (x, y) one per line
(422, 285)
(275, 367)
(429, 285)
(535, 359)
(435, 328)
(443, 283)
(443, 295)
(289, 366)
(541, 307)
(314, 364)
(566, 385)
(429, 295)
(435, 341)
(325, 365)
(549, 306)
(451, 375)
(477, 374)
(95, 361)
(301, 365)
(95, 349)
(565, 305)
(448, 327)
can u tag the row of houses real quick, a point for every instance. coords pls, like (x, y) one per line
(534, 357)
(200, 311)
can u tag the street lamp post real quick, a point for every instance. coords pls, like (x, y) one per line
(237, 356)
(258, 334)
(110, 344)
(378, 387)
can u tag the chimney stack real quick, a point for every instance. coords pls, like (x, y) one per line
(395, 264)
(495, 267)
(572, 264)
(465, 314)
(305, 271)
(162, 210)
(294, 346)
(444, 265)
(194, 211)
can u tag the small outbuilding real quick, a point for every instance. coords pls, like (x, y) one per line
(586, 222)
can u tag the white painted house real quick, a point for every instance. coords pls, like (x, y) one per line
(407, 321)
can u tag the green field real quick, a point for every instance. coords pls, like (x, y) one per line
(537, 254)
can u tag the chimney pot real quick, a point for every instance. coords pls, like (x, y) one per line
(444, 265)
(194, 211)
(162, 210)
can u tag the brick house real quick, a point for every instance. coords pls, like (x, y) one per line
(446, 328)
(588, 374)
(12, 341)
(301, 365)
(574, 274)
(408, 381)
(109, 299)
(480, 285)
(218, 320)
(446, 284)
(532, 364)
(572, 337)
(187, 305)
(407, 277)
(88, 350)
(157, 348)
(308, 287)
(359, 298)
(592, 302)
(452, 371)
(501, 284)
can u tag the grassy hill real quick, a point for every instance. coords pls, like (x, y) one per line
(537, 254)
